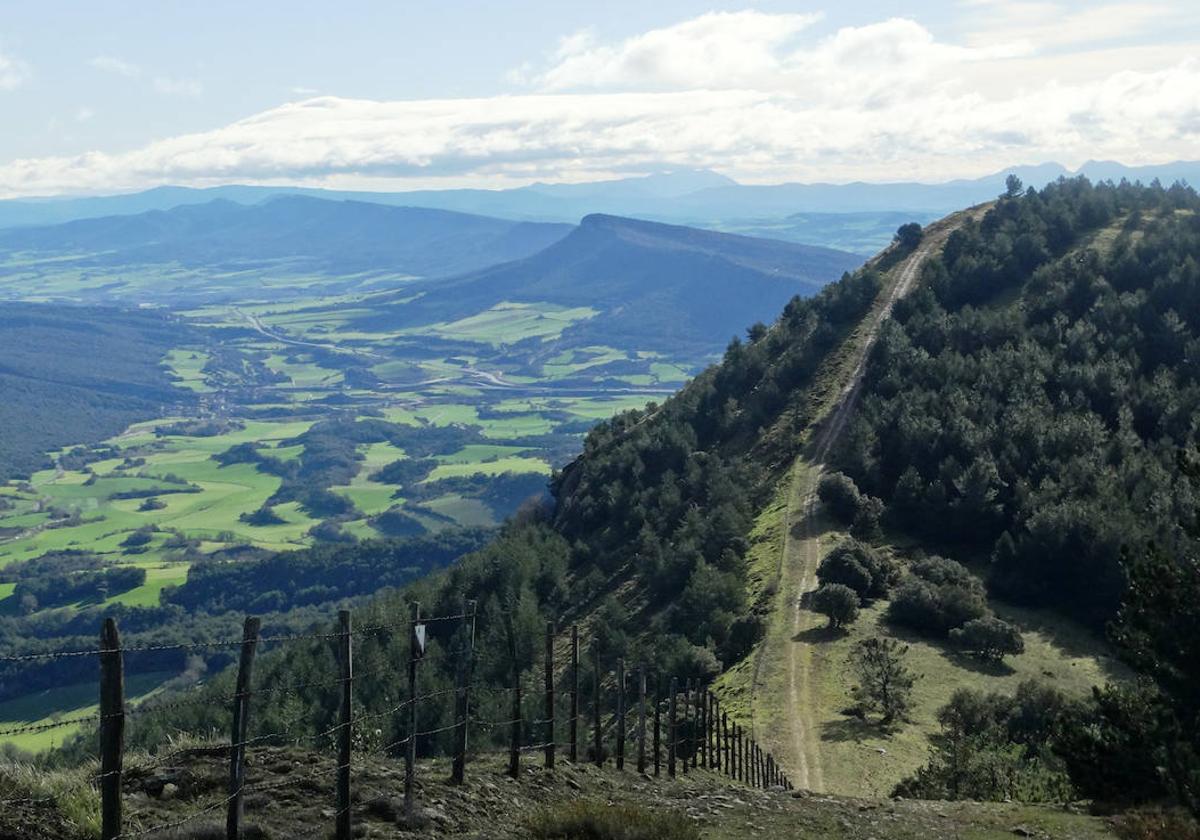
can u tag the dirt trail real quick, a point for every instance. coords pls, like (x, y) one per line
(793, 734)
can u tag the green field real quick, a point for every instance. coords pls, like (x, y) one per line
(508, 323)
(273, 370)
(66, 703)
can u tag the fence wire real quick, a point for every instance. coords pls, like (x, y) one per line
(700, 738)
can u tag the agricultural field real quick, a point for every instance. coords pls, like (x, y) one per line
(489, 428)
(65, 703)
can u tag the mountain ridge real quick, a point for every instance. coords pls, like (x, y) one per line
(657, 195)
(655, 284)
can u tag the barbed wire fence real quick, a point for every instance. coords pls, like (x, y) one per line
(674, 724)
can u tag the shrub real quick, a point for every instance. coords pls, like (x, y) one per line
(934, 609)
(908, 236)
(1156, 824)
(140, 537)
(838, 603)
(859, 567)
(586, 820)
(839, 493)
(262, 517)
(938, 596)
(320, 503)
(987, 751)
(330, 532)
(843, 568)
(940, 570)
(989, 638)
(867, 519)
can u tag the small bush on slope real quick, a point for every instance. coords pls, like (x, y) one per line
(597, 821)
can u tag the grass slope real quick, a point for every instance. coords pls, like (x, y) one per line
(494, 806)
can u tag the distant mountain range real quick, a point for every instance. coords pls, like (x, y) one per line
(692, 196)
(656, 286)
(337, 237)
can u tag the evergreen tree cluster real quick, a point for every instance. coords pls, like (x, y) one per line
(1036, 396)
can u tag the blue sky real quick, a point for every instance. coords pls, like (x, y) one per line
(120, 95)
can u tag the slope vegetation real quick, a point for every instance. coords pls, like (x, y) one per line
(76, 376)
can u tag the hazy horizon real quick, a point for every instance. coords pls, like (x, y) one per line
(774, 92)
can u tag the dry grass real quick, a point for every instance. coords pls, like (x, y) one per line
(589, 820)
(1157, 825)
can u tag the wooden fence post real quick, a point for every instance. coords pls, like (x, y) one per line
(574, 728)
(462, 708)
(671, 732)
(112, 729)
(714, 724)
(725, 743)
(657, 721)
(685, 738)
(549, 761)
(410, 754)
(514, 747)
(742, 751)
(346, 661)
(641, 761)
(716, 727)
(620, 714)
(696, 724)
(597, 735)
(702, 706)
(739, 764)
(241, 725)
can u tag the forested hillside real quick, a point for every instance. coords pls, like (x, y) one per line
(78, 375)
(1037, 398)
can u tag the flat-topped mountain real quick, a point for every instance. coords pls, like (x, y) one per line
(654, 284)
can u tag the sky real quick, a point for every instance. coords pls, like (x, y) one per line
(119, 96)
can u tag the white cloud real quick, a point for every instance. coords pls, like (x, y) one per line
(167, 85)
(305, 91)
(112, 64)
(716, 50)
(13, 72)
(178, 87)
(1048, 25)
(886, 101)
(84, 114)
